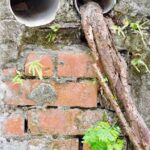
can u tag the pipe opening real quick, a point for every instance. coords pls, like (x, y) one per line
(106, 5)
(34, 12)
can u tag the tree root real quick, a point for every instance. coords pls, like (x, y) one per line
(113, 65)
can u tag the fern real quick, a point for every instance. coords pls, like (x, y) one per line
(103, 136)
(35, 67)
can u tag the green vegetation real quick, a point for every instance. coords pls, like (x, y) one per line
(137, 27)
(52, 34)
(137, 62)
(103, 136)
(18, 78)
(36, 67)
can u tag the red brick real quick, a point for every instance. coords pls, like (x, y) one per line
(67, 94)
(62, 122)
(76, 94)
(44, 59)
(71, 144)
(75, 65)
(14, 126)
(86, 147)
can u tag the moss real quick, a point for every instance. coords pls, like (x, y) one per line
(39, 37)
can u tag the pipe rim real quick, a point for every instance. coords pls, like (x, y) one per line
(26, 23)
(104, 12)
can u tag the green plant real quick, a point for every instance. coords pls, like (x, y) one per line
(52, 34)
(36, 67)
(18, 78)
(137, 62)
(103, 136)
(139, 28)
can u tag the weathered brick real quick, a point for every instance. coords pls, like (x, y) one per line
(44, 59)
(62, 122)
(71, 144)
(57, 144)
(35, 92)
(75, 65)
(14, 125)
(76, 94)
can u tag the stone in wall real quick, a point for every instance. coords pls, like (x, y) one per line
(133, 7)
(136, 10)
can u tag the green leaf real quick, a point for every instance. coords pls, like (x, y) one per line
(55, 27)
(135, 26)
(118, 145)
(103, 136)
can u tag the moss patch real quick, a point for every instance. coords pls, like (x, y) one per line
(39, 37)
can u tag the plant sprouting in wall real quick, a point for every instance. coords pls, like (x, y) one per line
(53, 33)
(18, 78)
(35, 67)
(104, 136)
(137, 62)
(139, 27)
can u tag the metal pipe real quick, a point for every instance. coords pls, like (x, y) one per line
(34, 13)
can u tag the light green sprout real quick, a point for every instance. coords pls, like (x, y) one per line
(18, 78)
(52, 34)
(139, 28)
(137, 62)
(36, 67)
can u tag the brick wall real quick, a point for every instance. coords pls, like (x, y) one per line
(52, 113)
